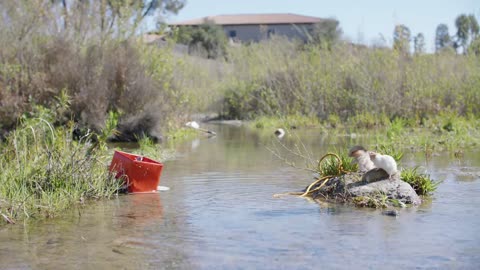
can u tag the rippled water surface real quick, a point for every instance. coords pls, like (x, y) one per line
(220, 214)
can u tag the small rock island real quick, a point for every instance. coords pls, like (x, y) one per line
(371, 189)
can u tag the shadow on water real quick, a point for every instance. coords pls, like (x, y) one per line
(220, 213)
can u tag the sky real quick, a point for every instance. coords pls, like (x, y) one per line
(362, 21)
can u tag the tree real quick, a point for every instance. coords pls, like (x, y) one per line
(114, 14)
(140, 9)
(442, 37)
(207, 39)
(326, 32)
(474, 27)
(474, 47)
(467, 31)
(401, 38)
(419, 43)
(65, 10)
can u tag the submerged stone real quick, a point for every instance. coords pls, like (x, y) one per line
(392, 213)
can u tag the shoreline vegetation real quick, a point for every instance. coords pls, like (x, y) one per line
(45, 170)
(101, 82)
(445, 132)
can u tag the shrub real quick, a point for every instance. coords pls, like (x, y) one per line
(206, 40)
(366, 86)
(96, 70)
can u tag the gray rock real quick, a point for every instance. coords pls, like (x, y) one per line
(392, 213)
(396, 189)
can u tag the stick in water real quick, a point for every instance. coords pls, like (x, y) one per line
(196, 126)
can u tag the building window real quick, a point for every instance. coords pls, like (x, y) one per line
(232, 33)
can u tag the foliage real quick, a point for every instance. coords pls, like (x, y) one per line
(368, 120)
(206, 40)
(326, 33)
(396, 128)
(288, 122)
(421, 183)
(368, 86)
(44, 171)
(419, 43)
(336, 165)
(442, 37)
(114, 17)
(74, 62)
(109, 130)
(147, 147)
(379, 201)
(467, 30)
(392, 151)
(401, 38)
(474, 47)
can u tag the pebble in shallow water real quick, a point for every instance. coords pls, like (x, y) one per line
(392, 213)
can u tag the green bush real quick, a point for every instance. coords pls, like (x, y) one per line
(207, 40)
(366, 86)
(98, 71)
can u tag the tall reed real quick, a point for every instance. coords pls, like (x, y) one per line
(44, 171)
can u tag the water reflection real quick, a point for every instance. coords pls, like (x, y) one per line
(139, 211)
(195, 143)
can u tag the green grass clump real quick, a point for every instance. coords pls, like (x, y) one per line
(288, 122)
(336, 165)
(147, 147)
(421, 183)
(44, 171)
(388, 149)
(379, 201)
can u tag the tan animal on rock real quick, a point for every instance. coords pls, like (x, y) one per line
(361, 158)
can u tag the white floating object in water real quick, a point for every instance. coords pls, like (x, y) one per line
(280, 132)
(196, 126)
(193, 124)
(162, 188)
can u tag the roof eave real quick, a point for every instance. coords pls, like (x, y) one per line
(237, 24)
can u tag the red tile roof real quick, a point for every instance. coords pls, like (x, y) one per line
(239, 19)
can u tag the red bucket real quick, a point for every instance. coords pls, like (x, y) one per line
(142, 173)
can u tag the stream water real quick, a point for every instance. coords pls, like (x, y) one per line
(220, 214)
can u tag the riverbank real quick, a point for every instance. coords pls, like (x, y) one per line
(44, 170)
